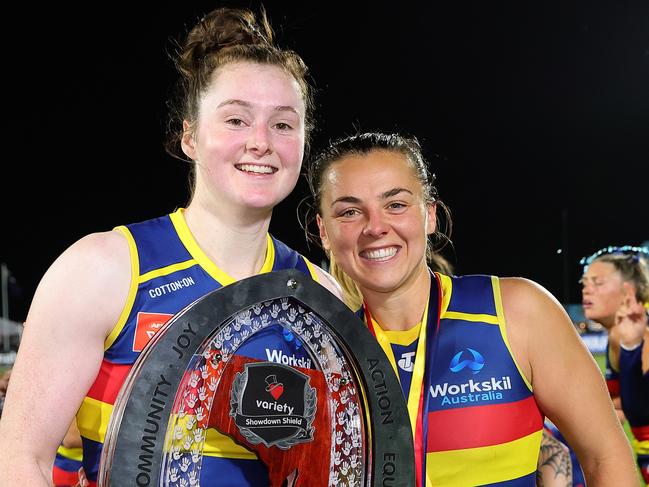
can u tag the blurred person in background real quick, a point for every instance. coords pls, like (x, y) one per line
(615, 293)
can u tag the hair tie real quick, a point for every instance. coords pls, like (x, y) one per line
(631, 251)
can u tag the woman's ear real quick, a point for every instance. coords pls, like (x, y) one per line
(431, 218)
(187, 142)
(323, 233)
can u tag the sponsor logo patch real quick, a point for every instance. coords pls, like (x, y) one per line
(460, 361)
(148, 324)
(273, 404)
(470, 391)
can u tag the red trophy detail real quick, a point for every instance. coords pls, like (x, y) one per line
(276, 389)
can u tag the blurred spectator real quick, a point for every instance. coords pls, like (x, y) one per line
(616, 295)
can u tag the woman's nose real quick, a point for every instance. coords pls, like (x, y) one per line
(375, 225)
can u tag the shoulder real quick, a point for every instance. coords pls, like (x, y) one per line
(535, 322)
(97, 250)
(90, 278)
(96, 258)
(522, 296)
(532, 311)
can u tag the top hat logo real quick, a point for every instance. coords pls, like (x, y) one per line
(276, 389)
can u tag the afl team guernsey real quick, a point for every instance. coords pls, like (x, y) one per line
(633, 388)
(66, 466)
(170, 271)
(473, 413)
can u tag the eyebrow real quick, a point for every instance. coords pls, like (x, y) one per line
(387, 194)
(246, 104)
(394, 191)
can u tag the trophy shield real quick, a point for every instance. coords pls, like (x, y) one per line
(277, 366)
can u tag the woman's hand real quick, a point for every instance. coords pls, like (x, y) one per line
(83, 481)
(631, 322)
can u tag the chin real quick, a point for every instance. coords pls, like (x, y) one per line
(259, 202)
(598, 318)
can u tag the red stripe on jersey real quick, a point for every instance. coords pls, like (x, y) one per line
(63, 478)
(109, 381)
(641, 433)
(473, 427)
(613, 386)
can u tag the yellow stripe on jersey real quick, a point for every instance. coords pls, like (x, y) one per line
(132, 291)
(188, 437)
(447, 291)
(640, 447)
(270, 256)
(220, 445)
(476, 466)
(312, 270)
(92, 419)
(94, 415)
(481, 318)
(186, 237)
(401, 337)
(447, 287)
(495, 285)
(163, 271)
(71, 453)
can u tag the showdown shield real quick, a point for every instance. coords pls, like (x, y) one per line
(279, 368)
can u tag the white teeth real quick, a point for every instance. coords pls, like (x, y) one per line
(256, 169)
(380, 254)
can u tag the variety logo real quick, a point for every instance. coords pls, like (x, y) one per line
(275, 388)
(264, 419)
(476, 365)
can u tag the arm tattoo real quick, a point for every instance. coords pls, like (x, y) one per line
(554, 467)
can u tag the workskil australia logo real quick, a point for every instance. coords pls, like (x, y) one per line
(458, 363)
(469, 391)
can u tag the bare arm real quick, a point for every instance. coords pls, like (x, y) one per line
(72, 438)
(76, 304)
(555, 466)
(564, 375)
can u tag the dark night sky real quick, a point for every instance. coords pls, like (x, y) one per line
(535, 118)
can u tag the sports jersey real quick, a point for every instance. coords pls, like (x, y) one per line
(634, 393)
(473, 413)
(66, 466)
(169, 271)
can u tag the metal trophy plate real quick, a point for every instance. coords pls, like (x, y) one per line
(280, 367)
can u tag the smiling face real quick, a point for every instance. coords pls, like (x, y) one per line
(602, 292)
(248, 140)
(374, 220)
